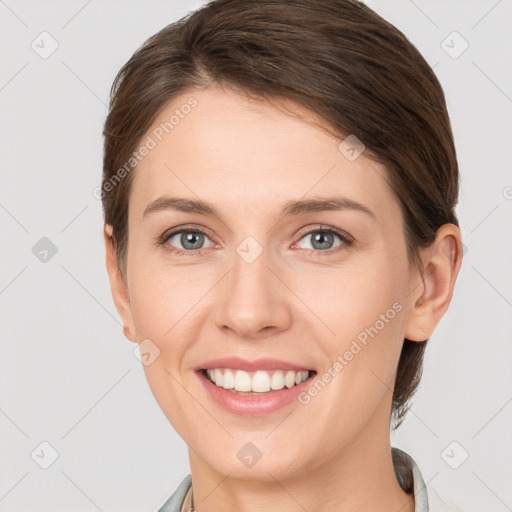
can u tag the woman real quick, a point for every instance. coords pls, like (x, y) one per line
(279, 188)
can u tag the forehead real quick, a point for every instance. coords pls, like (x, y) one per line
(221, 147)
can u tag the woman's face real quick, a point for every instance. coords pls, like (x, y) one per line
(266, 285)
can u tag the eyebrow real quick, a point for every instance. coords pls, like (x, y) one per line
(292, 208)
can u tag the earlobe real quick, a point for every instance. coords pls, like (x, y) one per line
(117, 285)
(431, 298)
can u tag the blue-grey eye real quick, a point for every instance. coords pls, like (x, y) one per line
(189, 240)
(322, 240)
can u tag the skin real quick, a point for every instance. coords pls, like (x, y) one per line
(295, 302)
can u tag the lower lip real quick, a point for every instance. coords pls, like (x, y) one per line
(253, 405)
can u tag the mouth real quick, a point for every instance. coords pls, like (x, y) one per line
(259, 382)
(254, 393)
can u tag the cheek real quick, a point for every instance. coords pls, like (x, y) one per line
(351, 299)
(162, 298)
(178, 407)
(161, 303)
(364, 310)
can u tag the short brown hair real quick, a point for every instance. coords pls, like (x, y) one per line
(337, 58)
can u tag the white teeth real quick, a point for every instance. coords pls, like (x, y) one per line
(277, 381)
(228, 380)
(289, 379)
(243, 381)
(260, 382)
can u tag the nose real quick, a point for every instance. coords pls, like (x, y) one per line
(253, 301)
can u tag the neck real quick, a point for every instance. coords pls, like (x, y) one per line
(360, 477)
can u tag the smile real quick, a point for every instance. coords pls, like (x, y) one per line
(254, 393)
(259, 381)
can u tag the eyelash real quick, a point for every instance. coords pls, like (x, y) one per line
(344, 237)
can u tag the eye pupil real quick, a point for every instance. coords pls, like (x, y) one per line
(321, 237)
(189, 237)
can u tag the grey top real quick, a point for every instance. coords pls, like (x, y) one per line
(181, 495)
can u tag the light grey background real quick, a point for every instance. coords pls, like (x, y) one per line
(68, 375)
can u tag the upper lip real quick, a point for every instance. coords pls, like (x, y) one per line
(252, 365)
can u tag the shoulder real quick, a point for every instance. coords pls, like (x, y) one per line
(175, 502)
(410, 478)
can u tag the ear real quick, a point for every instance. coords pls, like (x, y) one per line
(117, 285)
(432, 296)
